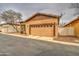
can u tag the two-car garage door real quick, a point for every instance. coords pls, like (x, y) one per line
(42, 30)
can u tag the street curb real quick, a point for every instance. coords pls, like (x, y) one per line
(44, 39)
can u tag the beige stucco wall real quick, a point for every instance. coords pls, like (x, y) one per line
(66, 31)
(7, 28)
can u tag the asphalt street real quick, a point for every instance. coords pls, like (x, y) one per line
(17, 46)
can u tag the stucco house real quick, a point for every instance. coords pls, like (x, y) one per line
(42, 23)
(69, 23)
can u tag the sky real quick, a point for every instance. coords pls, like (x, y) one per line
(28, 9)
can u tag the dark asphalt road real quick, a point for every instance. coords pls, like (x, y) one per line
(16, 46)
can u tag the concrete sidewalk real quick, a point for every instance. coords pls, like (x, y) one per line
(50, 39)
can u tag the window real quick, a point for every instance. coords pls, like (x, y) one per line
(37, 26)
(47, 25)
(41, 25)
(34, 26)
(44, 25)
(50, 25)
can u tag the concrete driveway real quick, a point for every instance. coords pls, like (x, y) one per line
(16, 46)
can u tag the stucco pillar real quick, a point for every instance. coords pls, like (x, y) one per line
(56, 30)
(27, 29)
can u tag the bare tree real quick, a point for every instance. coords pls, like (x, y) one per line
(11, 17)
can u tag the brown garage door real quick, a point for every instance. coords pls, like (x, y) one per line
(42, 30)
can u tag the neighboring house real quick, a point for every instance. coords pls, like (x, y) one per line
(42, 24)
(69, 23)
(8, 28)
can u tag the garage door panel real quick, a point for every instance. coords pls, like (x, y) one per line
(42, 31)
